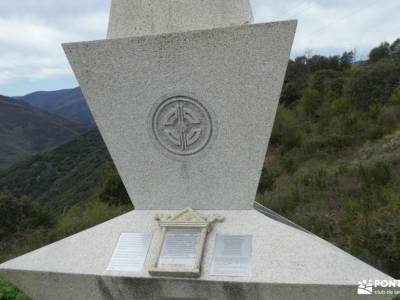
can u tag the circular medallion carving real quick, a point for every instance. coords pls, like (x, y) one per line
(182, 125)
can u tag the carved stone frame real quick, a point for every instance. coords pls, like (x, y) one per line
(187, 219)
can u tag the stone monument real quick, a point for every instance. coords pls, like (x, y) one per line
(184, 93)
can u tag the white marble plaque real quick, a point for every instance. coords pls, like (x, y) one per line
(180, 248)
(232, 255)
(131, 252)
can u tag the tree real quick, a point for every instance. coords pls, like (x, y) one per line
(395, 49)
(329, 83)
(311, 101)
(318, 62)
(302, 67)
(378, 53)
(374, 84)
(113, 190)
(346, 60)
(295, 81)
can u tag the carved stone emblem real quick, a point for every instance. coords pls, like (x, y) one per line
(182, 125)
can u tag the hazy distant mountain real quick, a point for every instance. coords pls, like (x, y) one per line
(26, 130)
(359, 62)
(68, 103)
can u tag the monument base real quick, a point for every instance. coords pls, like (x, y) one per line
(286, 263)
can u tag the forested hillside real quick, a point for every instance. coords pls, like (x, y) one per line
(333, 166)
(57, 194)
(60, 178)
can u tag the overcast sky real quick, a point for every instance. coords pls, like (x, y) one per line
(31, 32)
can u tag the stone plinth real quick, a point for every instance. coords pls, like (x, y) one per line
(287, 263)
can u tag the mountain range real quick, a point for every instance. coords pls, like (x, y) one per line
(68, 103)
(26, 130)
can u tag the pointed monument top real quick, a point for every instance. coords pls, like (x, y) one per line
(186, 116)
(144, 17)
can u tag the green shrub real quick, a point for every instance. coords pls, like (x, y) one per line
(9, 292)
(376, 132)
(266, 182)
(388, 118)
(395, 98)
(311, 101)
(329, 83)
(20, 214)
(339, 106)
(355, 124)
(113, 190)
(379, 174)
(329, 143)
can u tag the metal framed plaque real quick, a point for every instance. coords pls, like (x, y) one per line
(180, 250)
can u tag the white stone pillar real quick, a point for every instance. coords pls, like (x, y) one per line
(144, 17)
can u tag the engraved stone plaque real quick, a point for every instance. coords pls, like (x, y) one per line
(180, 248)
(232, 256)
(131, 252)
(181, 125)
